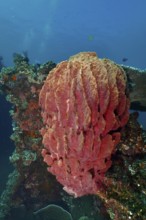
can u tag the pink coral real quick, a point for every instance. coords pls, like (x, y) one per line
(84, 106)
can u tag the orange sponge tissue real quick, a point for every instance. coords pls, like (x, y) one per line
(84, 105)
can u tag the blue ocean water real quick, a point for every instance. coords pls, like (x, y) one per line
(57, 29)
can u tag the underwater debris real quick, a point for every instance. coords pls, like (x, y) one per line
(137, 86)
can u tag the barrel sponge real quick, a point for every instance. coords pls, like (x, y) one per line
(84, 105)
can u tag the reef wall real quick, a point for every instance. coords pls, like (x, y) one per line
(123, 192)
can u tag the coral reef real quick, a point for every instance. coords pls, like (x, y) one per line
(6, 197)
(84, 105)
(125, 187)
(31, 187)
(21, 84)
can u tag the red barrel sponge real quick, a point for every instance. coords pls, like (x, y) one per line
(84, 106)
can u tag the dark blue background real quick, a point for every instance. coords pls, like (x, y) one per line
(56, 29)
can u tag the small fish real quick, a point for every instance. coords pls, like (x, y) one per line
(90, 37)
(125, 59)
